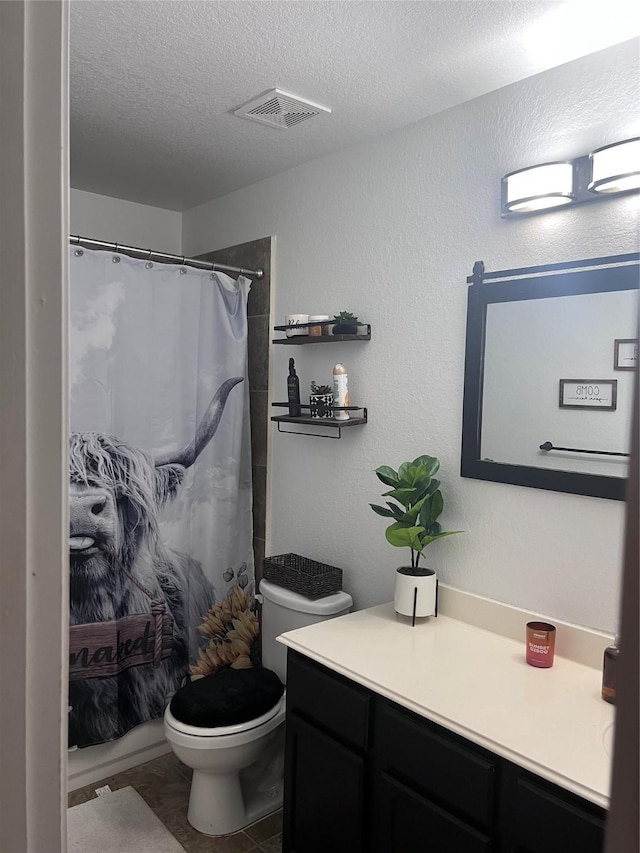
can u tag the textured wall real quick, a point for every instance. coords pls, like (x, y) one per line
(118, 221)
(390, 230)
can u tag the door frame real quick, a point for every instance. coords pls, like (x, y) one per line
(34, 230)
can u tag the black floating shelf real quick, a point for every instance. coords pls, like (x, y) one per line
(323, 422)
(331, 423)
(301, 340)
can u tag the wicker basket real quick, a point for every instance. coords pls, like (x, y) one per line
(302, 575)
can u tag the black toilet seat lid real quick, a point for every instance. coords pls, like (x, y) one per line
(227, 698)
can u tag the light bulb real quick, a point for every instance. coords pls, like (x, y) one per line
(539, 187)
(616, 168)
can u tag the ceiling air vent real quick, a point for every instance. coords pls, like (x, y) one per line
(280, 109)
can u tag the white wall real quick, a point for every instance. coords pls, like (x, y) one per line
(390, 229)
(118, 221)
(146, 227)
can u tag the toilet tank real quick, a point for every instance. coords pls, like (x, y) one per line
(283, 610)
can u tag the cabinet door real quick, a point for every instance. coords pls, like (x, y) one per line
(545, 819)
(324, 793)
(405, 822)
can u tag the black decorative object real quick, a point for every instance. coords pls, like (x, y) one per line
(293, 391)
(321, 405)
(321, 401)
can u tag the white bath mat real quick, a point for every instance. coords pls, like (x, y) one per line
(118, 822)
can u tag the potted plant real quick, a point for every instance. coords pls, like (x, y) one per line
(415, 525)
(321, 401)
(345, 323)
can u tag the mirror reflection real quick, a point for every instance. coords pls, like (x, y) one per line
(531, 345)
(551, 355)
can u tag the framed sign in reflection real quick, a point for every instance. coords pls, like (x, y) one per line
(625, 354)
(589, 394)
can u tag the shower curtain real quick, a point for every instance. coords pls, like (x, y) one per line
(161, 560)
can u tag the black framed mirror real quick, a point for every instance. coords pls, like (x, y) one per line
(550, 366)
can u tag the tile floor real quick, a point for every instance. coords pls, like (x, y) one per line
(164, 785)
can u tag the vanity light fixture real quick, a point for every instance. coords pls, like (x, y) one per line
(538, 188)
(616, 168)
(611, 170)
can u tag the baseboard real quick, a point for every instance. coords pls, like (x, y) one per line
(582, 645)
(95, 763)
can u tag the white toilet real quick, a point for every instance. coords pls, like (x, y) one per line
(237, 769)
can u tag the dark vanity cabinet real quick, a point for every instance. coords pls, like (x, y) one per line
(327, 742)
(364, 775)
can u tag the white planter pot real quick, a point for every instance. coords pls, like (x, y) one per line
(415, 590)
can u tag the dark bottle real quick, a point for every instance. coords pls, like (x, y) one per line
(609, 665)
(293, 391)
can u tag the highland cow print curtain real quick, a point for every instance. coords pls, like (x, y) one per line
(161, 560)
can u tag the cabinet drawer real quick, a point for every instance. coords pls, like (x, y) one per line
(553, 820)
(439, 764)
(332, 702)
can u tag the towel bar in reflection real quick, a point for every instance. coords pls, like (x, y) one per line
(549, 446)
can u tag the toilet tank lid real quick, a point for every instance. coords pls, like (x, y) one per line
(329, 605)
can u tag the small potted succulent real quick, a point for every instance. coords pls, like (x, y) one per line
(321, 401)
(345, 323)
(414, 525)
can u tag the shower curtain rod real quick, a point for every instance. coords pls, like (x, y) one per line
(90, 243)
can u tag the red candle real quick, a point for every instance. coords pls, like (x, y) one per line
(541, 644)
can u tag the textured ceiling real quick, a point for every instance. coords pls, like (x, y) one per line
(154, 84)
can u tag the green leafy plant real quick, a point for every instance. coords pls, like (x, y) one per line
(415, 520)
(320, 389)
(345, 323)
(345, 317)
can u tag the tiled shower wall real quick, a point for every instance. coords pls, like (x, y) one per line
(256, 255)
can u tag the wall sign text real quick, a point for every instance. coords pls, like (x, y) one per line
(588, 394)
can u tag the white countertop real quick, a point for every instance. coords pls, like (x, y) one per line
(476, 683)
